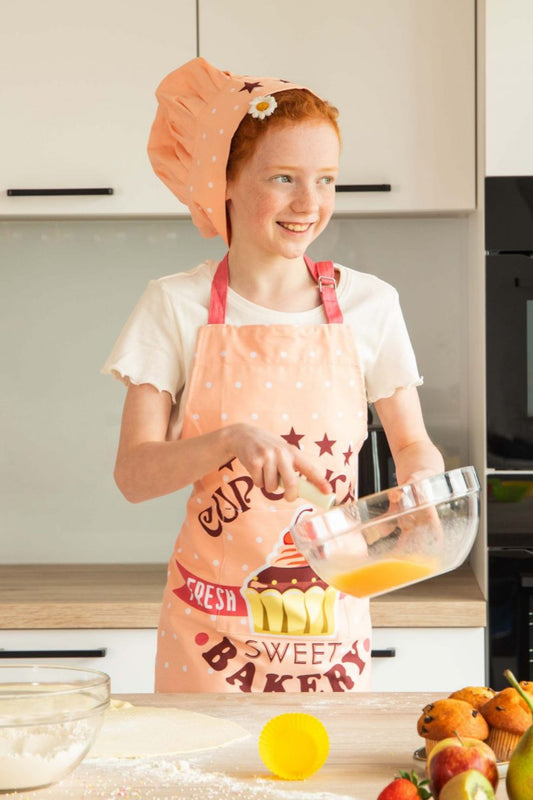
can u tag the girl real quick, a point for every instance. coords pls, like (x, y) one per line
(245, 375)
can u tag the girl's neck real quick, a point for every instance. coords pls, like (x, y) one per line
(279, 284)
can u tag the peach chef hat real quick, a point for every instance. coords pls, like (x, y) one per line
(200, 108)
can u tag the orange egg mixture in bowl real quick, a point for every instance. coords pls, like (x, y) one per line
(396, 537)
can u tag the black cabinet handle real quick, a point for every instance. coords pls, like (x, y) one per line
(523, 283)
(387, 652)
(363, 187)
(57, 192)
(98, 652)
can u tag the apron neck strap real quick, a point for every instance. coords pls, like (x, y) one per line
(219, 293)
(323, 272)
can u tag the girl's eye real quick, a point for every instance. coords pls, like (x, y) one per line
(327, 179)
(282, 178)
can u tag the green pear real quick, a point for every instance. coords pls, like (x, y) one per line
(468, 785)
(519, 780)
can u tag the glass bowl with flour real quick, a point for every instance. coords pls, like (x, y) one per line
(49, 718)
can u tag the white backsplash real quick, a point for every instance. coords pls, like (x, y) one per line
(67, 288)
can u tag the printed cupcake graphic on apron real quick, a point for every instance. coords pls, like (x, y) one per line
(288, 597)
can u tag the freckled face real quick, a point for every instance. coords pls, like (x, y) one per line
(283, 197)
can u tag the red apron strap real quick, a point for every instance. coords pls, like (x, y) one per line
(323, 273)
(219, 293)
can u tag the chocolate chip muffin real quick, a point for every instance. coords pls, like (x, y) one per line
(508, 717)
(477, 696)
(447, 717)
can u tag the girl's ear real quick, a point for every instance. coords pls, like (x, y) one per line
(228, 224)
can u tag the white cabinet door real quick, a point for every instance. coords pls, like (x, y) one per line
(509, 88)
(412, 659)
(127, 656)
(428, 659)
(77, 102)
(402, 73)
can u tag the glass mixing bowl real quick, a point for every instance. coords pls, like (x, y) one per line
(396, 537)
(49, 719)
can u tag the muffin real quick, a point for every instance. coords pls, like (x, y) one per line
(288, 597)
(508, 717)
(449, 716)
(477, 696)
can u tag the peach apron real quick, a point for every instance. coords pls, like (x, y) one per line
(242, 610)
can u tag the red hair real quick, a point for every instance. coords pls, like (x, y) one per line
(293, 106)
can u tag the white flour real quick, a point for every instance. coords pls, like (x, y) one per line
(216, 786)
(150, 779)
(161, 779)
(41, 754)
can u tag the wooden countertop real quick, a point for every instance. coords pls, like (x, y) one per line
(371, 737)
(129, 596)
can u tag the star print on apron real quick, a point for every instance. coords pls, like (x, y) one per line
(242, 610)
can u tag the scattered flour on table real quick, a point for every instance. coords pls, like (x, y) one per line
(217, 786)
(150, 779)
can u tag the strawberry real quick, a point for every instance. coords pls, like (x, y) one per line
(406, 786)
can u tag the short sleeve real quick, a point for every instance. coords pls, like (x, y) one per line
(394, 363)
(149, 348)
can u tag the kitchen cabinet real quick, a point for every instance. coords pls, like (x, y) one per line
(424, 659)
(78, 84)
(78, 96)
(509, 88)
(430, 634)
(428, 659)
(402, 73)
(127, 656)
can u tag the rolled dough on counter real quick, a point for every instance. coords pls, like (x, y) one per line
(135, 731)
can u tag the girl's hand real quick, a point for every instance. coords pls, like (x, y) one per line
(148, 465)
(270, 460)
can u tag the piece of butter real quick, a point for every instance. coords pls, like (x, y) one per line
(308, 491)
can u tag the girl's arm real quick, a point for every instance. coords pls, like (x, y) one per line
(415, 456)
(149, 466)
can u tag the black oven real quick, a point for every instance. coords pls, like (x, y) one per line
(510, 541)
(509, 398)
(509, 321)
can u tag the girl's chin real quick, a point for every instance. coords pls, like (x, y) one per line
(295, 250)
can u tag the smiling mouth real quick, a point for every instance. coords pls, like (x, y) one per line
(296, 227)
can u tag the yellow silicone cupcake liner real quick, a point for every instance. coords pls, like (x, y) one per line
(294, 746)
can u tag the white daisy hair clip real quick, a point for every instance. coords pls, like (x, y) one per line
(261, 107)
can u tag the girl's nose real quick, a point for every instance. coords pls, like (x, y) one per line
(305, 198)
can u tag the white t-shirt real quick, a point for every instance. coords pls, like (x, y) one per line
(158, 341)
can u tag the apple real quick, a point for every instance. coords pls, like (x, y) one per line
(454, 755)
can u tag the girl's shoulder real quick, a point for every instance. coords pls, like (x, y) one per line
(190, 284)
(363, 288)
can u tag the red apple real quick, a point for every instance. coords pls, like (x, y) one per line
(454, 755)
